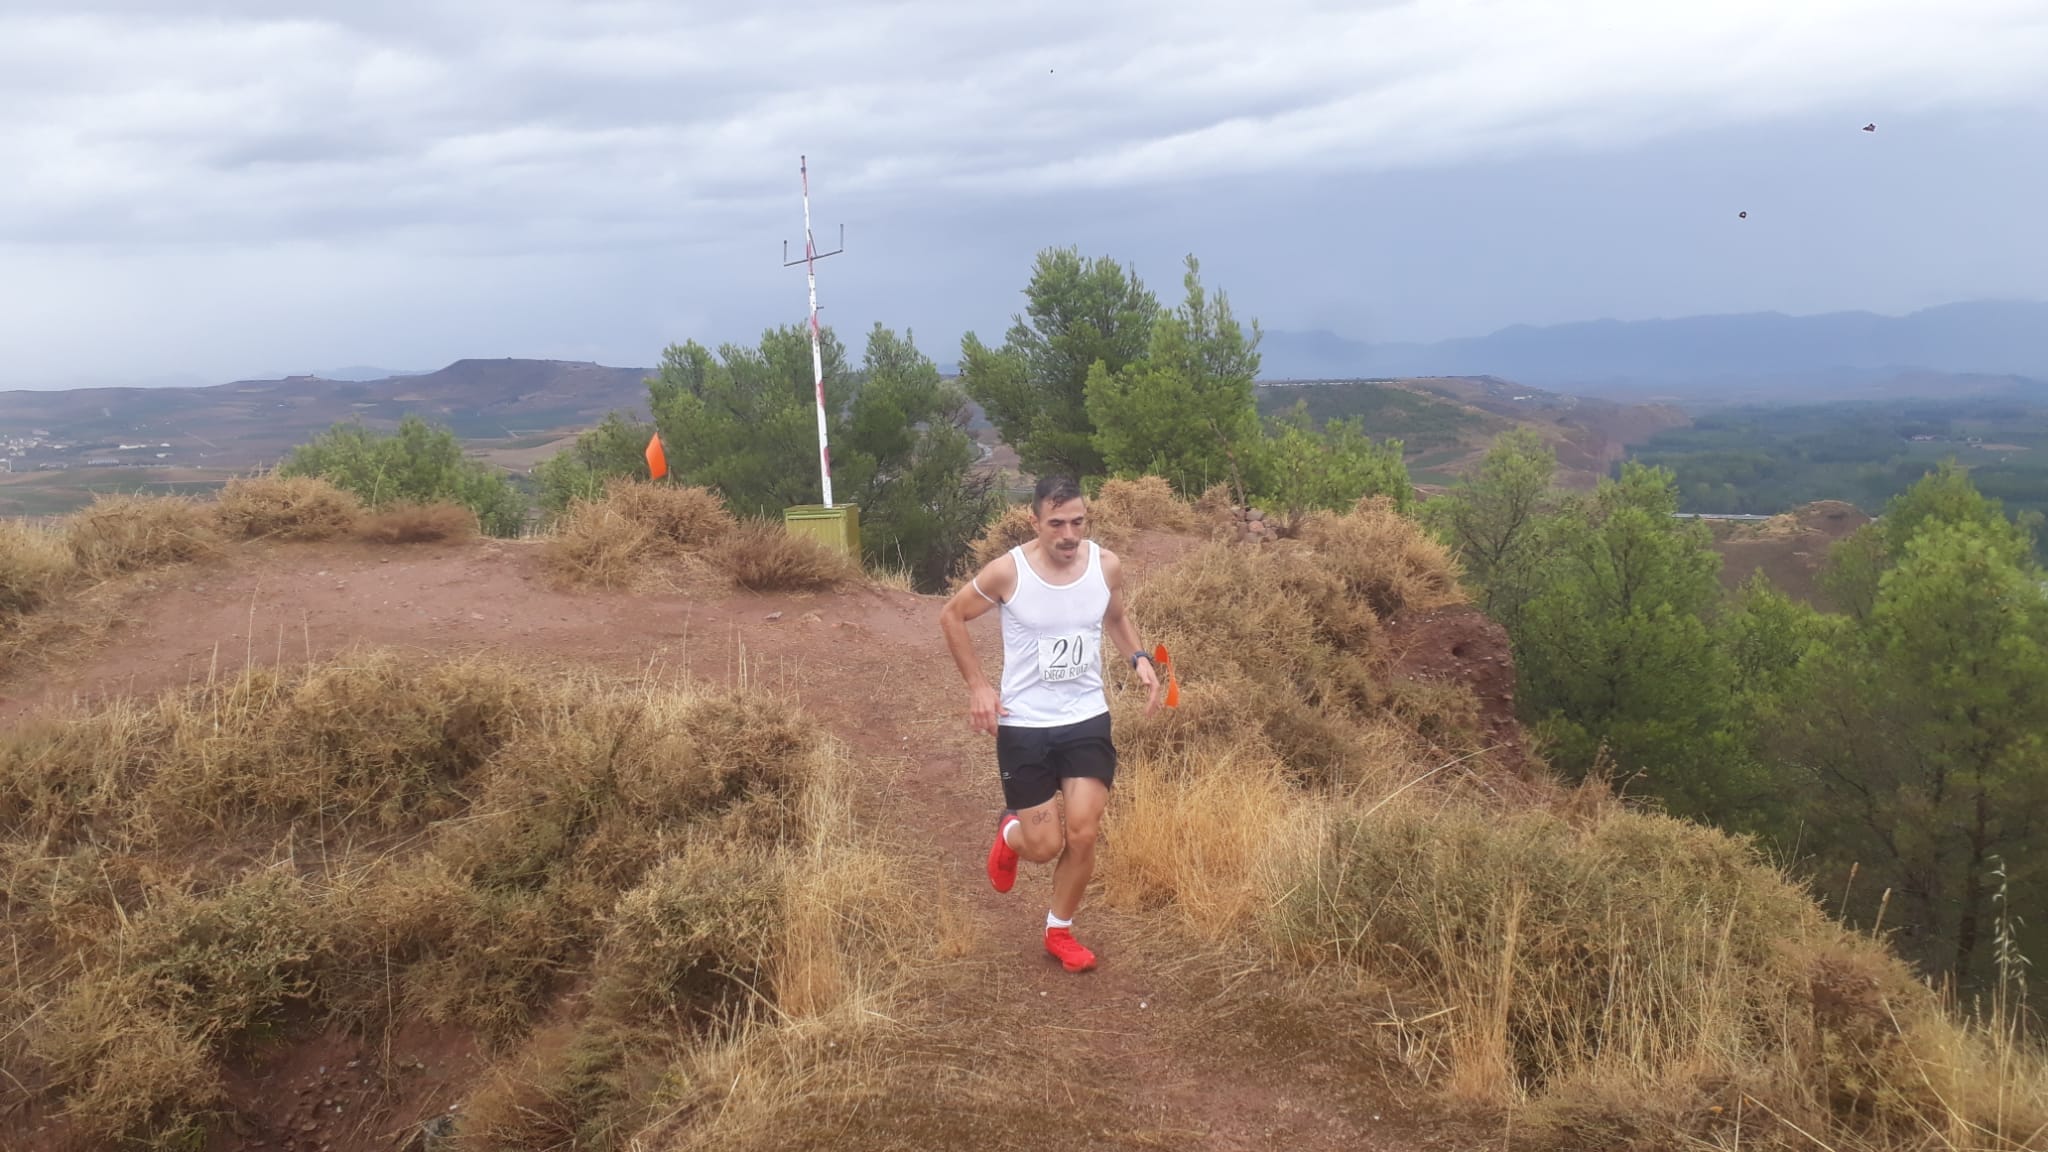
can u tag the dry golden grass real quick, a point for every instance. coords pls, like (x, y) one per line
(688, 859)
(1147, 502)
(35, 565)
(273, 507)
(763, 556)
(1214, 836)
(1009, 529)
(892, 579)
(593, 545)
(1287, 653)
(1615, 978)
(683, 516)
(1384, 559)
(639, 535)
(1619, 964)
(1216, 510)
(116, 534)
(405, 522)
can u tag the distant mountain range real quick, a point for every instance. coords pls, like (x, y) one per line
(1978, 347)
(252, 422)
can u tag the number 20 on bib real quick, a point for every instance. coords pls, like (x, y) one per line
(1063, 657)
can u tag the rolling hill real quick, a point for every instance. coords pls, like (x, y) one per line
(1447, 423)
(249, 423)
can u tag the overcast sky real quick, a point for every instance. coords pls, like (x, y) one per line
(205, 191)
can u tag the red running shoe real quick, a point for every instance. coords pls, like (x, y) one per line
(1061, 945)
(1002, 859)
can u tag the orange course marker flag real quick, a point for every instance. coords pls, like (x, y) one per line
(657, 460)
(1164, 663)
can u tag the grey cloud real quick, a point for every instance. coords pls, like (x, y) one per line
(647, 151)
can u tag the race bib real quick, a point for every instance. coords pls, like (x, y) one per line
(1064, 657)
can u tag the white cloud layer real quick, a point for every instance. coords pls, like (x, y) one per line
(512, 130)
(522, 124)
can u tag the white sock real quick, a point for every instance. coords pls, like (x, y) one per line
(1052, 921)
(1008, 829)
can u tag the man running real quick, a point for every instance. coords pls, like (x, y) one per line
(1058, 593)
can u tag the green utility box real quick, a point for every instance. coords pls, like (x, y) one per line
(837, 527)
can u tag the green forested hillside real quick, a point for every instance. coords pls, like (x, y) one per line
(1770, 459)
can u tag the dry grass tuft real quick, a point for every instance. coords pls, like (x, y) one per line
(763, 556)
(1640, 978)
(1147, 502)
(1218, 838)
(1384, 558)
(117, 534)
(286, 508)
(679, 515)
(640, 534)
(35, 565)
(405, 522)
(376, 840)
(1216, 511)
(893, 580)
(1293, 657)
(1009, 529)
(594, 546)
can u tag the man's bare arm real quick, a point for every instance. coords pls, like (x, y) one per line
(991, 586)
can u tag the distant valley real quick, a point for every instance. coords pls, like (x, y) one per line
(58, 448)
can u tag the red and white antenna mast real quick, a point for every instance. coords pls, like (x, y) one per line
(810, 263)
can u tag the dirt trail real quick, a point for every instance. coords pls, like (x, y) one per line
(872, 667)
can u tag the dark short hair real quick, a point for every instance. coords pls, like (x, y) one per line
(1053, 490)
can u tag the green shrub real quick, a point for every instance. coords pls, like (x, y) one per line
(420, 463)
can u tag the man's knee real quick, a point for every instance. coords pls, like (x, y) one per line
(1081, 836)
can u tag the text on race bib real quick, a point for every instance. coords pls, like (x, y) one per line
(1064, 657)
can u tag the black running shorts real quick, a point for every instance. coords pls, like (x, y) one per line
(1033, 761)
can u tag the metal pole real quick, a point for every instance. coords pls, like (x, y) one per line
(817, 358)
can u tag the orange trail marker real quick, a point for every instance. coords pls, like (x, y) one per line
(1162, 662)
(657, 460)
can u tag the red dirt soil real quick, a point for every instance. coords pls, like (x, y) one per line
(1462, 645)
(872, 667)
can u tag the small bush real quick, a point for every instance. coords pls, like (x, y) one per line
(1147, 502)
(420, 464)
(285, 508)
(637, 531)
(594, 545)
(35, 565)
(378, 739)
(1384, 558)
(135, 1041)
(117, 534)
(1216, 511)
(673, 513)
(1301, 658)
(697, 935)
(763, 556)
(405, 522)
(223, 963)
(127, 1074)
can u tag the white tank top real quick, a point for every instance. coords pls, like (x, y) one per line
(1052, 647)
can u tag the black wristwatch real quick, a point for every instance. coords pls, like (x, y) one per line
(1137, 656)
